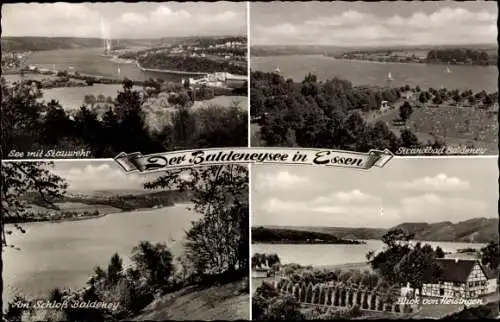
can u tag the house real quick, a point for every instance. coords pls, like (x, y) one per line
(458, 278)
(384, 106)
(408, 95)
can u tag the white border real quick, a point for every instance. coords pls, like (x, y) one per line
(249, 138)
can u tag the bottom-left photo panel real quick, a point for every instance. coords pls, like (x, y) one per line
(82, 241)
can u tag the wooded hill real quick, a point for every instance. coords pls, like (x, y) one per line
(478, 230)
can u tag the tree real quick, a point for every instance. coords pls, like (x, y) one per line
(490, 255)
(20, 178)
(418, 267)
(89, 100)
(56, 124)
(273, 259)
(405, 111)
(154, 262)
(218, 242)
(115, 267)
(21, 111)
(397, 246)
(408, 139)
(268, 304)
(422, 98)
(438, 99)
(487, 101)
(439, 252)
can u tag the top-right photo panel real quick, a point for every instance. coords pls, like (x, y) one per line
(416, 78)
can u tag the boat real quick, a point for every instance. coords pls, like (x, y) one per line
(118, 70)
(277, 70)
(389, 76)
(448, 70)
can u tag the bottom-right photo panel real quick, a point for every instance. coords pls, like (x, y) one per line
(415, 239)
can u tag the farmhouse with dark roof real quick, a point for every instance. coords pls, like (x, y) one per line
(460, 278)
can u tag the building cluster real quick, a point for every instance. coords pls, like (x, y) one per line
(461, 278)
(221, 79)
(13, 60)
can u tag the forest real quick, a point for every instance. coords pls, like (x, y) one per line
(289, 236)
(463, 56)
(317, 114)
(189, 64)
(151, 120)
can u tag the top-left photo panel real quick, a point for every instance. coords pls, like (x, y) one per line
(92, 80)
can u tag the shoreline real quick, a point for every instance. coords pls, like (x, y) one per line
(94, 217)
(375, 61)
(408, 63)
(307, 243)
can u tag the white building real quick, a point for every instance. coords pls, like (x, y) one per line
(460, 278)
(384, 106)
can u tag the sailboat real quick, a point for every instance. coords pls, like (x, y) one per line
(389, 76)
(448, 70)
(118, 70)
(277, 69)
(171, 238)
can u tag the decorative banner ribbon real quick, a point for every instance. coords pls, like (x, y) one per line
(133, 162)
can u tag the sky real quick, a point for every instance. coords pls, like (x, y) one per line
(405, 190)
(124, 20)
(346, 24)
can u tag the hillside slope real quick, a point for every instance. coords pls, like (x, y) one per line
(221, 302)
(478, 230)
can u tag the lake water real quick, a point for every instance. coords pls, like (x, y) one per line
(326, 255)
(91, 61)
(64, 254)
(476, 78)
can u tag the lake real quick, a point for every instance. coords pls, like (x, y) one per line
(91, 61)
(337, 254)
(476, 78)
(64, 254)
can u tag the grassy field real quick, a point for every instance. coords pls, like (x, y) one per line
(224, 302)
(449, 123)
